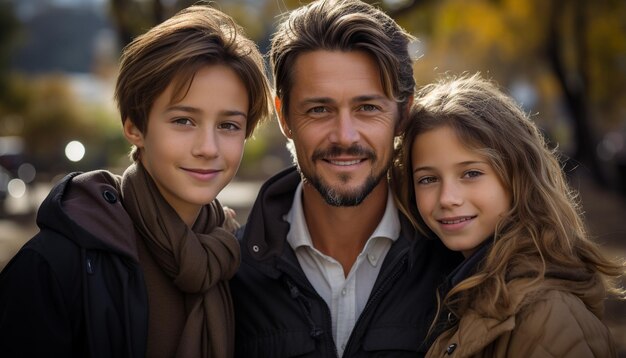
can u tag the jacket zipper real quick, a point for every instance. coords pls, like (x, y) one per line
(391, 278)
(327, 320)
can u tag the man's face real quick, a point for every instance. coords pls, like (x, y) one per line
(342, 124)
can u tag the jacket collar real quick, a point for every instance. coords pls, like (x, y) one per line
(87, 209)
(263, 238)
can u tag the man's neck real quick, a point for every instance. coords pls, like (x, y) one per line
(341, 232)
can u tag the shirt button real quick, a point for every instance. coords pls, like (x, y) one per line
(343, 346)
(343, 292)
(372, 259)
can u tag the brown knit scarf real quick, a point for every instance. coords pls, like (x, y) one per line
(199, 260)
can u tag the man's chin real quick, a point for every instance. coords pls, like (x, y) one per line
(338, 195)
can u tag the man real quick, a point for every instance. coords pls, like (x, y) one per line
(329, 267)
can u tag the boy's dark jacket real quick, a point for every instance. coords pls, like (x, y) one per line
(76, 280)
(279, 314)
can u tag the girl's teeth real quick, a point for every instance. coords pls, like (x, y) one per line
(454, 221)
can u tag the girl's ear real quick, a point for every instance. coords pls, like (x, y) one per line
(284, 127)
(133, 134)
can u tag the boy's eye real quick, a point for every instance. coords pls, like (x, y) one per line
(229, 126)
(183, 121)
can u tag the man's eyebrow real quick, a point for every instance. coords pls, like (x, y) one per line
(358, 99)
(369, 97)
(317, 100)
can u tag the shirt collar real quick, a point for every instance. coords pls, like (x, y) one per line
(388, 227)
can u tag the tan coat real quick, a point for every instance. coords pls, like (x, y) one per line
(556, 324)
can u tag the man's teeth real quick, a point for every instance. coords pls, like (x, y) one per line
(350, 162)
(455, 221)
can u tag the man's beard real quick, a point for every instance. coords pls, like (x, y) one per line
(331, 195)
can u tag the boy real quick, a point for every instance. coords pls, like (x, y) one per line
(137, 265)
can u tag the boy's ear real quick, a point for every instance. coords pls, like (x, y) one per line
(133, 134)
(404, 117)
(284, 127)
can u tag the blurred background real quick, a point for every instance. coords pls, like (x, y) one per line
(564, 61)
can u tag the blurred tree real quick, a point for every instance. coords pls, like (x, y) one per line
(573, 52)
(48, 118)
(134, 17)
(9, 27)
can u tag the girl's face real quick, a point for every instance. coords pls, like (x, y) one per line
(193, 148)
(457, 192)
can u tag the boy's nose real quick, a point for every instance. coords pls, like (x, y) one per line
(205, 144)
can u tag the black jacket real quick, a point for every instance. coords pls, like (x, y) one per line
(72, 291)
(279, 314)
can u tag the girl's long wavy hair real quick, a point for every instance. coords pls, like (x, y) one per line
(543, 228)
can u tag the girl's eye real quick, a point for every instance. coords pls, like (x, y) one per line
(472, 174)
(183, 121)
(426, 180)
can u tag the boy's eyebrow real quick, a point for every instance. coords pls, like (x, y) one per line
(234, 113)
(183, 109)
(190, 109)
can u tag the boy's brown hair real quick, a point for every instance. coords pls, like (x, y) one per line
(175, 50)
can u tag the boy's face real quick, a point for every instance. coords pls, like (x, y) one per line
(193, 148)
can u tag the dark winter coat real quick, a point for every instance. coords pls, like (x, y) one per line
(279, 314)
(81, 291)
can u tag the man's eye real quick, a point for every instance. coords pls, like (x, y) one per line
(369, 107)
(318, 109)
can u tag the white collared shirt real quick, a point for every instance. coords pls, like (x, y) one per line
(345, 296)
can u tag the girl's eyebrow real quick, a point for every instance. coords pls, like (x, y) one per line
(422, 169)
(460, 164)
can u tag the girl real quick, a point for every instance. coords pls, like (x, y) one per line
(474, 171)
(137, 265)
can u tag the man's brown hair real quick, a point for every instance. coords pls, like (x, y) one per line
(343, 25)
